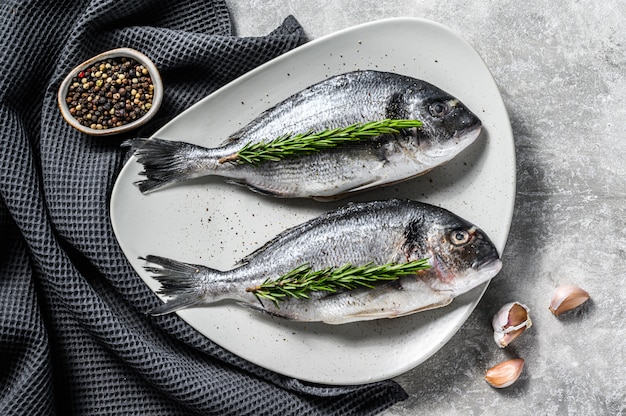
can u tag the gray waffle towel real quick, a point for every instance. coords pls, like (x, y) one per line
(73, 335)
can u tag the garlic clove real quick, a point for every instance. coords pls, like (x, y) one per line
(509, 323)
(566, 298)
(504, 374)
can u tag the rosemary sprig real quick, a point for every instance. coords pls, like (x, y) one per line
(312, 142)
(301, 281)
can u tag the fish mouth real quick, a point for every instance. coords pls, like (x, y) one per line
(476, 276)
(488, 266)
(480, 271)
(460, 140)
(468, 135)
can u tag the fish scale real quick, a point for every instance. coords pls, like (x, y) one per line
(460, 255)
(448, 127)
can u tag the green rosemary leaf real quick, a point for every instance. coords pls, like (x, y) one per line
(300, 282)
(312, 142)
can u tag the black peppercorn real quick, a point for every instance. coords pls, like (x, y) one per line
(98, 99)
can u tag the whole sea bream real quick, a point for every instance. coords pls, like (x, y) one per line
(337, 102)
(459, 254)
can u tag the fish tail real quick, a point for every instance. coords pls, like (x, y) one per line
(165, 162)
(183, 283)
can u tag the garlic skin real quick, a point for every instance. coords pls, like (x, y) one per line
(567, 297)
(509, 323)
(504, 374)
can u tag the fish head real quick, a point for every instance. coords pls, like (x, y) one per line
(461, 255)
(448, 125)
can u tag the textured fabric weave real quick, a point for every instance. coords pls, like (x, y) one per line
(73, 335)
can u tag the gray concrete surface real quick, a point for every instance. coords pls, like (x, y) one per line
(561, 68)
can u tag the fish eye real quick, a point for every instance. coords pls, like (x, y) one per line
(439, 109)
(459, 237)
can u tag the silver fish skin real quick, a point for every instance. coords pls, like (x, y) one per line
(339, 101)
(461, 257)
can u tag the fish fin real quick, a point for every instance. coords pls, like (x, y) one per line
(373, 184)
(235, 137)
(260, 307)
(440, 304)
(175, 304)
(356, 189)
(370, 315)
(183, 282)
(164, 161)
(254, 188)
(287, 234)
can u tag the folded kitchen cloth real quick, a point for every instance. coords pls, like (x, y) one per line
(74, 336)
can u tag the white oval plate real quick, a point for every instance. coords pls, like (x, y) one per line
(209, 222)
